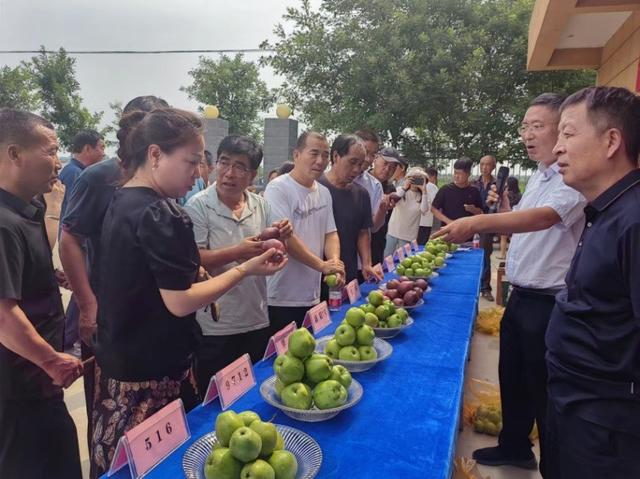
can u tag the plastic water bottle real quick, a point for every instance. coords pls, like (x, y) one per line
(335, 299)
(476, 240)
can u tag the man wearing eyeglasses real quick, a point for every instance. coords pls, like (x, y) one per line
(546, 226)
(226, 222)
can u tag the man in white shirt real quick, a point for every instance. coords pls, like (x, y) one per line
(426, 219)
(546, 227)
(227, 219)
(308, 204)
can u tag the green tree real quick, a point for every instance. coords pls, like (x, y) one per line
(235, 87)
(54, 77)
(438, 78)
(17, 89)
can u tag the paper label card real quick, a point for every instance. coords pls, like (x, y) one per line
(388, 262)
(279, 342)
(407, 249)
(414, 245)
(147, 444)
(234, 380)
(317, 317)
(353, 291)
(400, 254)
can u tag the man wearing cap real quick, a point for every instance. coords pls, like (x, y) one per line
(384, 166)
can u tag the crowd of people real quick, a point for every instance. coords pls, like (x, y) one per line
(172, 280)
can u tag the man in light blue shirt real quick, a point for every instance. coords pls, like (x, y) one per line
(546, 226)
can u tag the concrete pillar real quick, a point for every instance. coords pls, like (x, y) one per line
(280, 136)
(215, 129)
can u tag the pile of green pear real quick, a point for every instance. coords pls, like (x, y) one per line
(380, 312)
(305, 378)
(248, 448)
(352, 339)
(422, 264)
(488, 420)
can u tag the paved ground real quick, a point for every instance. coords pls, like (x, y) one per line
(483, 365)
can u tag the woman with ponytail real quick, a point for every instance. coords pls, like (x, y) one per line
(148, 271)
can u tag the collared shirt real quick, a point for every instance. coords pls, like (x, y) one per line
(310, 211)
(541, 259)
(87, 205)
(197, 187)
(593, 338)
(373, 187)
(244, 307)
(484, 190)
(68, 176)
(379, 238)
(26, 276)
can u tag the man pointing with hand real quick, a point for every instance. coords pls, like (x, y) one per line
(546, 226)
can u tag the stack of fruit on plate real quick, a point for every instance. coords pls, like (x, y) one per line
(305, 378)
(382, 312)
(353, 338)
(247, 447)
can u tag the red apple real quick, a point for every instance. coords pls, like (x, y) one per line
(392, 294)
(418, 291)
(422, 283)
(410, 298)
(269, 233)
(277, 244)
(404, 287)
(393, 284)
(398, 302)
(403, 278)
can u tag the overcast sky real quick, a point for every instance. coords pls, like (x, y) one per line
(137, 25)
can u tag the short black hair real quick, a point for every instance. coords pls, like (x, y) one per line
(241, 145)
(431, 171)
(463, 164)
(18, 126)
(208, 157)
(302, 139)
(612, 107)
(343, 143)
(285, 167)
(144, 103)
(366, 134)
(83, 138)
(550, 100)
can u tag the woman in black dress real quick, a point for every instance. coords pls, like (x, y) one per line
(149, 267)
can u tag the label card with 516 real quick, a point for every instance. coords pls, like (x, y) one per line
(147, 444)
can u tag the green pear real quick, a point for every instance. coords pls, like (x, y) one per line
(365, 335)
(296, 396)
(268, 434)
(342, 375)
(279, 442)
(355, 316)
(222, 465)
(284, 464)
(371, 320)
(288, 368)
(278, 386)
(317, 369)
(245, 444)
(345, 335)
(367, 353)
(258, 469)
(249, 416)
(394, 321)
(332, 348)
(226, 424)
(329, 394)
(349, 353)
(301, 343)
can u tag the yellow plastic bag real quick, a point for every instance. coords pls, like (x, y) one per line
(482, 409)
(465, 468)
(488, 320)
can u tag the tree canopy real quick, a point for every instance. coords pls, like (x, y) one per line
(438, 78)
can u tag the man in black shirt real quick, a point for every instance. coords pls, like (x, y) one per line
(351, 205)
(457, 199)
(593, 338)
(38, 437)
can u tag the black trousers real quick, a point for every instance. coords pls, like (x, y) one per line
(423, 234)
(486, 243)
(579, 449)
(215, 352)
(280, 316)
(523, 371)
(38, 440)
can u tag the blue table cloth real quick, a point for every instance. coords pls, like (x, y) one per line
(406, 424)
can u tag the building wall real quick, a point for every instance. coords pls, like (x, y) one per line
(621, 56)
